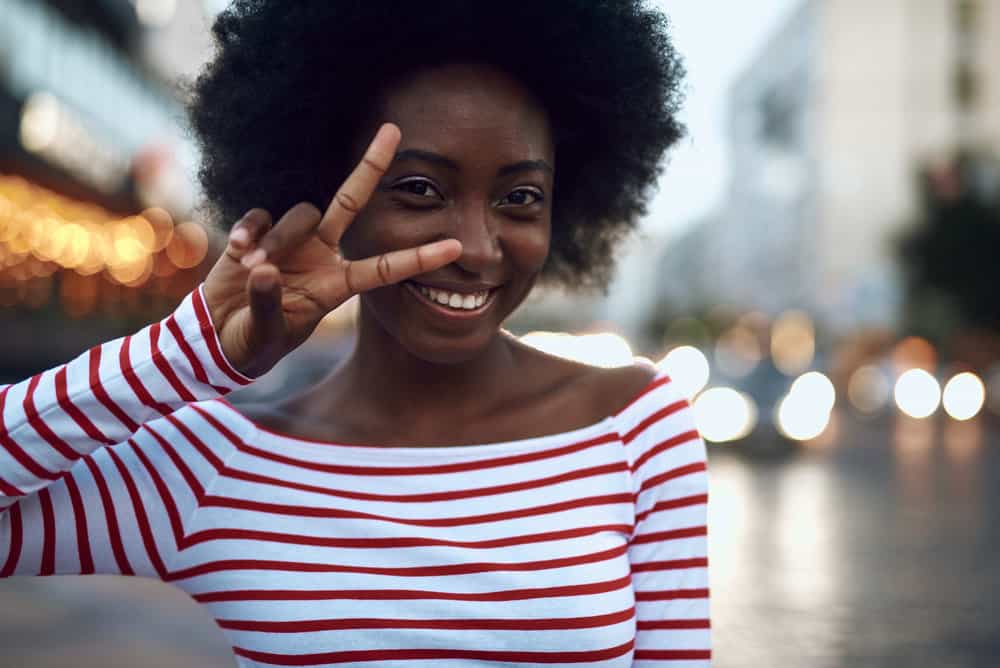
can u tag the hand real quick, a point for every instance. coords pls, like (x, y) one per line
(272, 285)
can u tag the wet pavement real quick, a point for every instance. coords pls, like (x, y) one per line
(876, 548)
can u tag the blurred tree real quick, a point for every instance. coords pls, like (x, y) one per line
(951, 254)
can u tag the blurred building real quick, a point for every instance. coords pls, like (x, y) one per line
(827, 128)
(92, 132)
(685, 279)
(83, 111)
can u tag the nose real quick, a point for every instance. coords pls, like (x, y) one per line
(478, 233)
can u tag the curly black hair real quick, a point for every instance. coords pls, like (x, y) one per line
(293, 84)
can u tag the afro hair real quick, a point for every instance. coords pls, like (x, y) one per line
(293, 85)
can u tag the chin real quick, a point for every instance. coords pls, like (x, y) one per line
(428, 333)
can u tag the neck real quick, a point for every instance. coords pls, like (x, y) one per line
(405, 384)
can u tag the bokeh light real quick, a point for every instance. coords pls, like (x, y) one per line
(868, 389)
(162, 225)
(800, 419)
(39, 121)
(815, 388)
(914, 352)
(724, 414)
(689, 369)
(43, 233)
(188, 246)
(738, 351)
(963, 396)
(917, 393)
(804, 413)
(604, 349)
(793, 342)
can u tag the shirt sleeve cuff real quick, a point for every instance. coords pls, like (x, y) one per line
(198, 342)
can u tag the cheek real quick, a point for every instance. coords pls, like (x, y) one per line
(528, 246)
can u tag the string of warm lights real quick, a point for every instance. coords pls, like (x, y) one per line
(44, 233)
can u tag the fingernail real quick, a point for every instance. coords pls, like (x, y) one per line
(239, 235)
(253, 258)
(446, 245)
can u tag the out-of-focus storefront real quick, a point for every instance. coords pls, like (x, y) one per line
(90, 138)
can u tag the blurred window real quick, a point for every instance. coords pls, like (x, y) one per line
(966, 84)
(778, 118)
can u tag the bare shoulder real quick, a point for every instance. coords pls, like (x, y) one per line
(593, 392)
(611, 390)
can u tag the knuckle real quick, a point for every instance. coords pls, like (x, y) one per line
(384, 270)
(370, 162)
(348, 202)
(347, 277)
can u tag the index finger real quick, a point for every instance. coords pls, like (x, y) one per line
(359, 186)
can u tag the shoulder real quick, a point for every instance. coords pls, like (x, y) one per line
(592, 390)
(567, 394)
(613, 390)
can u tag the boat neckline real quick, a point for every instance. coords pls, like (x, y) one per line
(605, 425)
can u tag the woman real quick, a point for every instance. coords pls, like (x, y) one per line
(446, 493)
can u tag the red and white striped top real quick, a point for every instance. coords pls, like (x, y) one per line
(581, 548)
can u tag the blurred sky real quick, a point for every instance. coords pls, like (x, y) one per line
(717, 39)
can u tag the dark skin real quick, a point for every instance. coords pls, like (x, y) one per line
(475, 164)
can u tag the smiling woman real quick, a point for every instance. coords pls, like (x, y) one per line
(447, 493)
(474, 164)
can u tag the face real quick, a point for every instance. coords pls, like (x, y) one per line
(475, 163)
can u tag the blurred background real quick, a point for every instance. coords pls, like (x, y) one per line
(819, 270)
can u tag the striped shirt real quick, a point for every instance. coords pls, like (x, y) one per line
(586, 547)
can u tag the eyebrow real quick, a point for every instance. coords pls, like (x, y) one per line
(448, 163)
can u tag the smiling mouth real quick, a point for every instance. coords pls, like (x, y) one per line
(455, 304)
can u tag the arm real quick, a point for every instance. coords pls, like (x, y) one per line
(69, 497)
(668, 550)
(264, 296)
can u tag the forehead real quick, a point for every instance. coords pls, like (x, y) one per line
(469, 111)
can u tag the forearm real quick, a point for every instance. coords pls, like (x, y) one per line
(51, 420)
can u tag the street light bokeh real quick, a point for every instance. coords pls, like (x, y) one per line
(917, 393)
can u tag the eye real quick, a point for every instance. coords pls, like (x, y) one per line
(417, 186)
(522, 197)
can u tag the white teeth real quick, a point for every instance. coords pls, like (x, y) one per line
(455, 300)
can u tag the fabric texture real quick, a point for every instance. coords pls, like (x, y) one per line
(587, 547)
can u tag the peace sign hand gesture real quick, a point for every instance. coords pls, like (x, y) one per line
(272, 285)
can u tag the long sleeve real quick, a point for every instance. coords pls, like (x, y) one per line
(79, 491)
(668, 550)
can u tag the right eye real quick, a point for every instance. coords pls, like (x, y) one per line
(418, 186)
